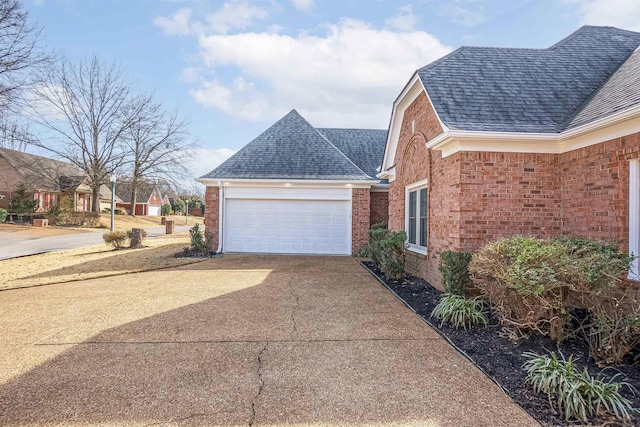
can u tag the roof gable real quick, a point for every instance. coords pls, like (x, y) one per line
(525, 90)
(144, 191)
(289, 149)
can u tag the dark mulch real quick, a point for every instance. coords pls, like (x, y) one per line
(501, 359)
(190, 253)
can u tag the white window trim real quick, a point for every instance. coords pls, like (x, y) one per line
(634, 218)
(409, 188)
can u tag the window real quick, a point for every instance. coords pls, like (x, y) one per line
(416, 216)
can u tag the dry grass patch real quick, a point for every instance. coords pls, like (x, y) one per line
(141, 221)
(91, 262)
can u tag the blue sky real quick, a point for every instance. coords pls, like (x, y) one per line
(233, 68)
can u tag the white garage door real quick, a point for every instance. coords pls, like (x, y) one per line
(154, 210)
(288, 226)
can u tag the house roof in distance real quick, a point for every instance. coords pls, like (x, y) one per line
(44, 174)
(144, 191)
(575, 81)
(293, 149)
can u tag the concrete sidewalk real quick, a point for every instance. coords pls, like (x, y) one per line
(242, 340)
(12, 247)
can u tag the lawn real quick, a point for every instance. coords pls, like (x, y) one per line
(91, 262)
(140, 221)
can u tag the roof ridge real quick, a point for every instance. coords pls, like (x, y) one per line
(246, 146)
(381, 130)
(336, 148)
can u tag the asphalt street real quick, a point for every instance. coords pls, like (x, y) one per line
(17, 246)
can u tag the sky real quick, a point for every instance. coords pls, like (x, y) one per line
(233, 68)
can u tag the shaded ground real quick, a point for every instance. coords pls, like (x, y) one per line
(502, 359)
(243, 340)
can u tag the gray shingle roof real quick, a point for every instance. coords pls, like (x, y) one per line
(528, 90)
(145, 190)
(620, 92)
(364, 147)
(44, 174)
(290, 149)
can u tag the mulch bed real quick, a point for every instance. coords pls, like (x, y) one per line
(501, 359)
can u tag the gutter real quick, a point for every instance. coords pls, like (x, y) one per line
(220, 216)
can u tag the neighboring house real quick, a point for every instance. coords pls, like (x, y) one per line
(53, 183)
(105, 198)
(165, 200)
(148, 199)
(296, 189)
(491, 142)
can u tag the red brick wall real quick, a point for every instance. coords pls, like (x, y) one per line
(211, 216)
(595, 189)
(503, 194)
(360, 217)
(379, 207)
(477, 197)
(414, 163)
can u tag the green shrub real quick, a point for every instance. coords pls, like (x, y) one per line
(392, 254)
(197, 239)
(458, 311)
(22, 201)
(117, 239)
(3, 215)
(454, 267)
(376, 235)
(535, 284)
(575, 394)
(166, 209)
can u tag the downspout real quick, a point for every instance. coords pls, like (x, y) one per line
(220, 216)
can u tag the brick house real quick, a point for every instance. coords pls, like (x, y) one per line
(149, 199)
(487, 142)
(296, 189)
(52, 182)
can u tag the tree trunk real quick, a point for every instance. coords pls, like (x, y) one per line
(136, 238)
(134, 196)
(95, 199)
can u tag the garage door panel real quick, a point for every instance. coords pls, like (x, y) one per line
(288, 226)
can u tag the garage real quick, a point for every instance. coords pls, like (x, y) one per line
(153, 210)
(288, 221)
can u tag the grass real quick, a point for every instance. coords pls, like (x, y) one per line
(139, 221)
(92, 262)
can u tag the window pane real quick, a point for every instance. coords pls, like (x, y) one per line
(412, 216)
(423, 217)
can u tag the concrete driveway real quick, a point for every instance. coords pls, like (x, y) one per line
(243, 340)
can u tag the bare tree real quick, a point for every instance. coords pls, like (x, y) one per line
(87, 108)
(20, 52)
(157, 145)
(14, 133)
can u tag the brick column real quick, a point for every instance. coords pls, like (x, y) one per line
(211, 215)
(360, 218)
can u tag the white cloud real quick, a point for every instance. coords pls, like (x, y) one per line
(404, 20)
(348, 77)
(233, 15)
(617, 13)
(460, 12)
(304, 5)
(206, 159)
(178, 25)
